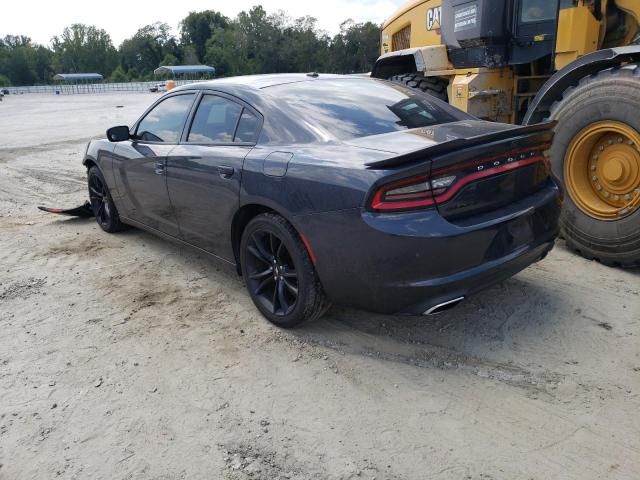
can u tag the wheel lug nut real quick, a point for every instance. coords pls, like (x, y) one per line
(620, 139)
(616, 197)
(593, 168)
(595, 157)
(607, 194)
(602, 148)
(627, 197)
(594, 178)
(599, 187)
(610, 142)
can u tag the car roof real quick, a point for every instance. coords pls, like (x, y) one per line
(266, 80)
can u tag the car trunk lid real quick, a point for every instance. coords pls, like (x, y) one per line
(492, 167)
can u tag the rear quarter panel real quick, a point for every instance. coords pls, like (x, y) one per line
(316, 179)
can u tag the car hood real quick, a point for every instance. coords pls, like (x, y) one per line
(406, 141)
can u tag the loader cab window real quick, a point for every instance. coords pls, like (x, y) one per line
(533, 11)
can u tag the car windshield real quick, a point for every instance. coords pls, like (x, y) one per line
(352, 108)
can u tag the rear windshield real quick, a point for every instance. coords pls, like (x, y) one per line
(352, 108)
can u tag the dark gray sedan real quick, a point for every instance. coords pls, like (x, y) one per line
(332, 189)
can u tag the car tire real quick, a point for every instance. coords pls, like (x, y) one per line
(104, 209)
(279, 272)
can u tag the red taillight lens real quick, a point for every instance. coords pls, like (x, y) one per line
(421, 191)
(412, 193)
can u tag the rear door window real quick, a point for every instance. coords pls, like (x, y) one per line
(248, 127)
(164, 123)
(215, 120)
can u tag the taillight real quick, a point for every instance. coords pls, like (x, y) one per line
(423, 191)
(411, 193)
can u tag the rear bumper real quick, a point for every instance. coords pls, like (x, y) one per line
(407, 263)
(461, 285)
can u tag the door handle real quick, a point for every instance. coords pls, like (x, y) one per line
(159, 168)
(225, 171)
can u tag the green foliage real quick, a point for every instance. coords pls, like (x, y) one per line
(4, 81)
(146, 49)
(253, 42)
(119, 75)
(84, 49)
(197, 28)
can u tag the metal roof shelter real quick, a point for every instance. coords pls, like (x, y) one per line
(185, 71)
(78, 82)
(78, 77)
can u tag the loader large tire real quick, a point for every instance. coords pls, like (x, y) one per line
(596, 156)
(432, 85)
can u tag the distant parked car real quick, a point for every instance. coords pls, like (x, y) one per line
(5, 91)
(328, 188)
(158, 87)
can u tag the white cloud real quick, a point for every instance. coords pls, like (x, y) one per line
(43, 19)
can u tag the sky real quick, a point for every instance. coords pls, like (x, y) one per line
(42, 19)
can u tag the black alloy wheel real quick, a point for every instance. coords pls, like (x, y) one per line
(99, 200)
(279, 273)
(271, 274)
(101, 203)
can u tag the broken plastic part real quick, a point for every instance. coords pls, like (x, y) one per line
(84, 210)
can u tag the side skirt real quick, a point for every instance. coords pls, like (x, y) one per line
(165, 236)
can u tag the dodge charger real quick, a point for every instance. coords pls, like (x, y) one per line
(326, 189)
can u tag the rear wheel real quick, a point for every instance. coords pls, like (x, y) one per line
(279, 273)
(596, 154)
(431, 85)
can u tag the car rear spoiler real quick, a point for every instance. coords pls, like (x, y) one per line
(461, 143)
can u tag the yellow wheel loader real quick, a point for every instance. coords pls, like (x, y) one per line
(524, 61)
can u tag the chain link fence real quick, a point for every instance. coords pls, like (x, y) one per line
(84, 88)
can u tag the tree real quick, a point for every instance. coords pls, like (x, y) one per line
(198, 27)
(253, 42)
(23, 63)
(146, 49)
(305, 47)
(84, 49)
(119, 75)
(356, 48)
(169, 59)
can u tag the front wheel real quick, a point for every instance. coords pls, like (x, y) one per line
(279, 273)
(101, 203)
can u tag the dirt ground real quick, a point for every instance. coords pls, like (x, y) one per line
(127, 357)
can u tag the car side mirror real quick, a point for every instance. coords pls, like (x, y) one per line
(118, 134)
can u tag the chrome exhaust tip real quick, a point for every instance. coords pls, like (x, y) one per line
(441, 307)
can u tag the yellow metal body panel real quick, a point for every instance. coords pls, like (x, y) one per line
(632, 7)
(488, 93)
(578, 34)
(484, 93)
(424, 18)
